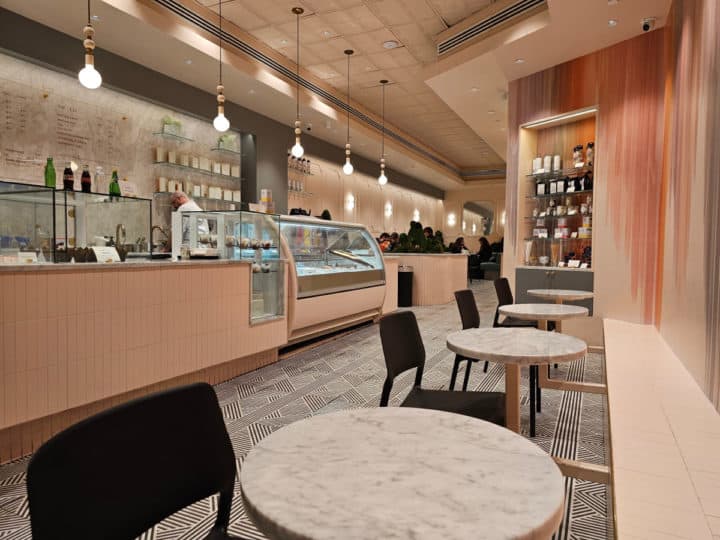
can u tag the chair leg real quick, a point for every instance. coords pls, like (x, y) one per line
(456, 366)
(532, 400)
(467, 375)
(538, 395)
(485, 368)
(223, 512)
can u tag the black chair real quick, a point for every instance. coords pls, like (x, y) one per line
(118, 473)
(474, 268)
(403, 349)
(504, 298)
(470, 318)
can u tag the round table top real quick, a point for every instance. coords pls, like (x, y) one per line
(561, 294)
(543, 312)
(524, 346)
(400, 473)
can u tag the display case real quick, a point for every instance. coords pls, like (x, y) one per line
(331, 257)
(237, 236)
(60, 226)
(27, 227)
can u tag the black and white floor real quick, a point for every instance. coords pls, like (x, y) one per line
(348, 372)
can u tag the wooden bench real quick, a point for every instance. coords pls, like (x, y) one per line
(664, 440)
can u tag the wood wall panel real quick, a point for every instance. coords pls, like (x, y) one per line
(626, 82)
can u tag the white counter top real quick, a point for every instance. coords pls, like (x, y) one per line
(128, 264)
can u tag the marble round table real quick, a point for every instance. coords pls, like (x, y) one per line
(515, 347)
(400, 473)
(561, 295)
(542, 313)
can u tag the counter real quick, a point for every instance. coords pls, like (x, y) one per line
(436, 276)
(78, 338)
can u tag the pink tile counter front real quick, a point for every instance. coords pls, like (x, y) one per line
(436, 276)
(79, 338)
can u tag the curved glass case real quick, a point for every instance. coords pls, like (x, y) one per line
(332, 257)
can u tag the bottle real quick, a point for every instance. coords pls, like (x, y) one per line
(114, 188)
(100, 186)
(86, 180)
(68, 178)
(50, 173)
(590, 154)
(307, 165)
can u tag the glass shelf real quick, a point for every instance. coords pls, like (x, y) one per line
(558, 239)
(226, 151)
(201, 199)
(531, 218)
(560, 194)
(559, 174)
(197, 171)
(173, 137)
(304, 194)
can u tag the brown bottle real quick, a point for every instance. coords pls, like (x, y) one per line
(68, 178)
(86, 180)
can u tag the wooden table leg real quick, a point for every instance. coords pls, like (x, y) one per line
(512, 397)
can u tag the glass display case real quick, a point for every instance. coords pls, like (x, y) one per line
(27, 227)
(237, 236)
(60, 226)
(331, 257)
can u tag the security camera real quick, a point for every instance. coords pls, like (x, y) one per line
(309, 126)
(648, 23)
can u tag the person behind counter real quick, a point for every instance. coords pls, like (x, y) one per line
(458, 246)
(182, 203)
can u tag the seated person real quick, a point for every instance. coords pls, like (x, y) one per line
(485, 252)
(459, 246)
(428, 232)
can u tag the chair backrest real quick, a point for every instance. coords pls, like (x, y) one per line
(469, 314)
(114, 475)
(402, 347)
(504, 297)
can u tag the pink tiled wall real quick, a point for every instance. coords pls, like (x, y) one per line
(68, 338)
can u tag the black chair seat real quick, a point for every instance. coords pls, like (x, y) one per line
(488, 406)
(518, 323)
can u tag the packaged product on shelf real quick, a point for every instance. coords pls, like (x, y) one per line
(197, 191)
(184, 160)
(236, 196)
(265, 195)
(225, 169)
(195, 162)
(160, 154)
(590, 154)
(171, 156)
(203, 190)
(216, 167)
(227, 194)
(162, 184)
(536, 165)
(578, 156)
(556, 162)
(204, 164)
(547, 163)
(189, 186)
(235, 171)
(585, 232)
(215, 192)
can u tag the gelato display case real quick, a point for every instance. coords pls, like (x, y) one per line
(27, 227)
(237, 236)
(337, 275)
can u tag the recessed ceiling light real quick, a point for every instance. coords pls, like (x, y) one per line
(283, 42)
(503, 129)
(188, 61)
(491, 111)
(474, 89)
(612, 22)
(327, 33)
(368, 68)
(613, 2)
(251, 91)
(519, 60)
(391, 44)
(95, 17)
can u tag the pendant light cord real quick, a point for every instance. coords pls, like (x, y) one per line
(220, 57)
(89, 13)
(348, 99)
(383, 121)
(297, 67)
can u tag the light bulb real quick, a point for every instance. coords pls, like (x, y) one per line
(221, 123)
(382, 179)
(348, 168)
(297, 150)
(90, 77)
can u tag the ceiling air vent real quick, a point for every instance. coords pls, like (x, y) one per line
(512, 11)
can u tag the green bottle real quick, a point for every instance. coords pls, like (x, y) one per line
(114, 185)
(50, 173)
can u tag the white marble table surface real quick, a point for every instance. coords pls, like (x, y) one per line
(400, 473)
(561, 294)
(523, 346)
(546, 312)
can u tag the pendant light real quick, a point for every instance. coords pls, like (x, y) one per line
(88, 76)
(348, 168)
(382, 179)
(221, 123)
(297, 150)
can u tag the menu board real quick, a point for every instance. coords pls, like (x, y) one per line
(39, 123)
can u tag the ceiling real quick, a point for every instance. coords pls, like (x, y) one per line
(328, 27)
(452, 110)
